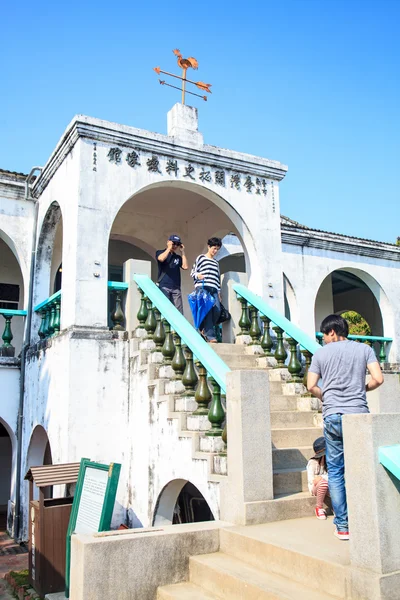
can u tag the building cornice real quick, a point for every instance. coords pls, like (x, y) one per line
(154, 143)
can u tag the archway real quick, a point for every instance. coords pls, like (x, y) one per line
(49, 254)
(6, 469)
(291, 309)
(39, 452)
(181, 502)
(11, 291)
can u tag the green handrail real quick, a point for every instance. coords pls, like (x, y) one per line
(48, 301)
(214, 365)
(389, 457)
(12, 313)
(362, 338)
(305, 341)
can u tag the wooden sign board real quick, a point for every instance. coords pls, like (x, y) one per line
(93, 504)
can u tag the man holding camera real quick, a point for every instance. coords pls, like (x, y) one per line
(169, 270)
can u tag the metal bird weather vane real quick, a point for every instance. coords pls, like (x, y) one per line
(185, 64)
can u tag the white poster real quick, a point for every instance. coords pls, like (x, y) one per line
(92, 500)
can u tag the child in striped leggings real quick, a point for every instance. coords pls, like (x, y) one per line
(317, 475)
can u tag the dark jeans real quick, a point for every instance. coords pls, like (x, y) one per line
(174, 296)
(211, 318)
(335, 463)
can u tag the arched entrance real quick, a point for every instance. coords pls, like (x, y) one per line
(6, 461)
(181, 502)
(39, 452)
(49, 254)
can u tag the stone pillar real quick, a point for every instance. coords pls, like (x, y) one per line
(373, 497)
(249, 483)
(133, 297)
(230, 329)
(386, 399)
(183, 124)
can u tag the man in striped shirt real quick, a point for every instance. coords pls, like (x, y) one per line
(206, 272)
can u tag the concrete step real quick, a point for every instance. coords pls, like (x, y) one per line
(294, 418)
(232, 579)
(288, 506)
(289, 458)
(228, 349)
(288, 437)
(283, 403)
(290, 481)
(245, 361)
(183, 591)
(303, 549)
(275, 388)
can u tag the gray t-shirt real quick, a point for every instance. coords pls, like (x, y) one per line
(342, 367)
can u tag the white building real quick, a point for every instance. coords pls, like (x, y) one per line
(110, 193)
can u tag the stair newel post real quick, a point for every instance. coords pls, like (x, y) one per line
(189, 377)
(382, 353)
(255, 331)
(203, 394)
(216, 413)
(266, 340)
(7, 333)
(142, 312)
(118, 317)
(168, 349)
(46, 322)
(244, 321)
(159, 333)
(52, 319)
(178, 362)
(42, 328)
(294, 366)
(280, 352)
(150, 324)
(307, 357)
(57, 317)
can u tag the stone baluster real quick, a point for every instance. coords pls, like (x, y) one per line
(266, 340)
(294, 366)
(216, 413)
(151, 323)
(382, 353)
(255, 331)
(189, 377)
(142, 312)
(203, 394)
(307, 357)
(42, 328)
(47, 321)
(159, 333)
(51, 320)
(118, 317)
(168, 349)
(244, 321)
(57, 318)
(7, 333)
(178, 362)
(320, 340)
(280, 352)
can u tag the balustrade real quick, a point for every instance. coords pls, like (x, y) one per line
(116, 295)
(381, 343)
(50, 313)
(7, 349)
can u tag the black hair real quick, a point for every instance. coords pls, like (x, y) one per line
(339, 325)
(214, 241)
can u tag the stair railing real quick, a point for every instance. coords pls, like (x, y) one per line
(50, 312)
(370, 340)
(169, 330)
(255, 309)
(7, 349)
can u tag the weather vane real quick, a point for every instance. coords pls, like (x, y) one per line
(185, 64)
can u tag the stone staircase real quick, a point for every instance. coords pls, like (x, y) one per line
(292, 560)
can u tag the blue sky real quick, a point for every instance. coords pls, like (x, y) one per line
(311, 83)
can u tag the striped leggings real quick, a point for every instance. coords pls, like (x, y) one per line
(320, 490)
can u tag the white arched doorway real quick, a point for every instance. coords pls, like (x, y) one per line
(181, 502)
(39, 451)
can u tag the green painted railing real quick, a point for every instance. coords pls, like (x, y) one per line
(367, 339)
(7, 349)
(254, 308)
(116, 293)
(169, 330)
(389, 457)
(50, 312)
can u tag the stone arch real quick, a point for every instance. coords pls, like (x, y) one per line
(49, 253)
(8, 452)
(13, 288)
(291, 308)
(39, 450)
(166, 511)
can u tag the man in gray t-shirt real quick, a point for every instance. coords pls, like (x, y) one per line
(342, 366)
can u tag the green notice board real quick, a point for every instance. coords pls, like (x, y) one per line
(93, 504)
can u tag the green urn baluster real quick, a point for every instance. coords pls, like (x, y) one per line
(57, 318)
(307, 357)
(42, 328)
(294, 366)
(216, 413)
(168, 349)
(142, 312)
(159, 333)
(47, 321)
(255, 330)
(51, 320)
(382, 353)
(178, 362)
(189, 377)
(266, 341)
(203, 394)
(244, 321)
(280, 352)
(118, 316)
(320, 341)
(151, 322)
(7, 334)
